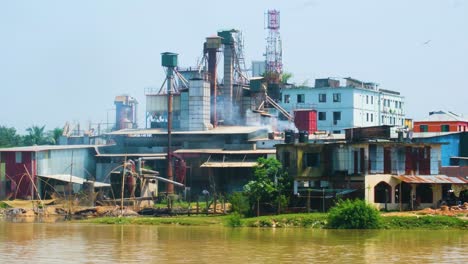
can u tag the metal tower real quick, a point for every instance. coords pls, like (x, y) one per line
(273, 55)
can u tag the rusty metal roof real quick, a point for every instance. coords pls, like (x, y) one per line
(232, 164)
(431, 179)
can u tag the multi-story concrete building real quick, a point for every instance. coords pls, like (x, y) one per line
(388, 173)
(354, 104)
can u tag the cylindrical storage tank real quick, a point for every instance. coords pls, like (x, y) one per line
(288, 136)
(303, 136)
(169, 59)
(271, 135)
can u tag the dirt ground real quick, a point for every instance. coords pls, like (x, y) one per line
(458, 211)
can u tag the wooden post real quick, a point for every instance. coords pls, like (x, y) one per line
(258, 207)
(214, 203)
(123, 186)
(224, 205)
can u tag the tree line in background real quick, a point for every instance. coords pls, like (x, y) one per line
(36, 135)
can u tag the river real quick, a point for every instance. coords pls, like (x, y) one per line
(66, 242)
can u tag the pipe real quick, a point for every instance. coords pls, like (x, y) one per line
(170, 176)
(214, 89)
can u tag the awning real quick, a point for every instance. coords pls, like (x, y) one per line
(73, 179)
(431, 179)
(231, 164)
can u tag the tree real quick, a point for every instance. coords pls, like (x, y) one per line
(55, 135)
(9, 138)
(285, 76)
(270, 184)
(36, 136)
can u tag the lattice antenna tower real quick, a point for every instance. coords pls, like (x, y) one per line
(273, 56)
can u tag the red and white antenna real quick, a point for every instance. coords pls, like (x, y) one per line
(273, 56)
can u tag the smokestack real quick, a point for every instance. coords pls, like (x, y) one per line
(212, 45)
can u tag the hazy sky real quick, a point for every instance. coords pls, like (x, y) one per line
(67, 60)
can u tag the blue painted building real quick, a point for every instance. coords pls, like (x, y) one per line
(455, 144)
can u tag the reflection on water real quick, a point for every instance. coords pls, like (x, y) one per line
(65, 242)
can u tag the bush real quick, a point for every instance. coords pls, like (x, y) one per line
(356, 214)
(234, 220)
(239, 203)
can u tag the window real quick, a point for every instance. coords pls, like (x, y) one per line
(372, 99)
(286, 98)
(311, 160)
(336, 131)
(336, 97)
(301, 98)
(18, 157)
(322, 98)
(336, 117)
(444, 128)
(372, 117)
(396, 104)
(383, 119)
(367, 99)
(286, 159)
(322, 116)
(367, 117)
(423, 128)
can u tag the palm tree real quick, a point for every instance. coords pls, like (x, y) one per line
(55, 135)
(35, 136)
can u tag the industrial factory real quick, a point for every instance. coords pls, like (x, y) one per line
(203, 132)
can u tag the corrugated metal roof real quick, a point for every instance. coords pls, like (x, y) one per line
(239, 164)
(460, 158)
(433, 134)
(73, 179)
(222, 151)
(443, 116)
(217, 130)
(46, 147)
(162, 155)
(431, 179)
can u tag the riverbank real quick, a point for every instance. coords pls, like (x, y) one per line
(312, 220)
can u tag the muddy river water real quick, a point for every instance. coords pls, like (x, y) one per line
(66, 242)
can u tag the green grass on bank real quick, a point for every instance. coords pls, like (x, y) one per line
(424, 222)
(312, 220)
(174, 220)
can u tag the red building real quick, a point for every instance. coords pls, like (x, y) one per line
(441, 121)
(21, 167)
